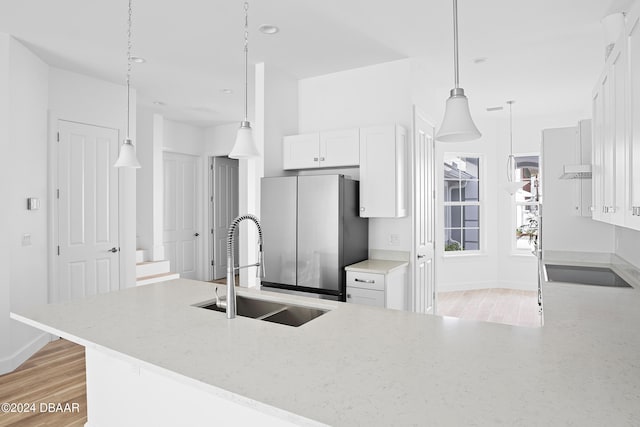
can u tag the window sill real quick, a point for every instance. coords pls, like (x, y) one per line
(463, 254)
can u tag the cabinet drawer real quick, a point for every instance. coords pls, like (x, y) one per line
(365, 280)
(365, 297)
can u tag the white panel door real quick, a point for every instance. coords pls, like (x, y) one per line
(181, 234)
(225, 210)
(424, 291)
(87, 211)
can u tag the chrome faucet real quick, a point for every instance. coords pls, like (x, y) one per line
(231, 277)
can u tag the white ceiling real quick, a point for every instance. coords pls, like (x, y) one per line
(546, 54)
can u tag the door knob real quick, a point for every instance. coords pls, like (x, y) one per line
(113, 250)
(197, 234)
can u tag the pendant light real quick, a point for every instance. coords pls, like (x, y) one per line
(457, 125)
(127, 158)
(244, 146)
(512, 186)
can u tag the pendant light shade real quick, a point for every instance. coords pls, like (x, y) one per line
(244, 147)
(127, 158)
(457, 124)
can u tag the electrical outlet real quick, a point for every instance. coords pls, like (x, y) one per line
(26, 239)
(394, 239)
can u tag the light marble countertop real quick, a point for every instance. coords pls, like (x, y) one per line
(380, 266)
(360, 365)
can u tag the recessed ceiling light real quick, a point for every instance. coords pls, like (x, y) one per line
(226, 91)
(480, 60)
(138, 59)
(268, 29)
(495, 108)
(160, 103)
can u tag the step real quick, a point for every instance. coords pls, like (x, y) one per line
(149, 268)
(141, 255)
(155, 278)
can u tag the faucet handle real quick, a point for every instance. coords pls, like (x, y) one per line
(220, 302)
(260, 269)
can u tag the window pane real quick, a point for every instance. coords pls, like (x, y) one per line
(472, 168)
(471, 216)
(471, 240)
(526, 226)
(452, 216)
(470, 191)
(452, 239)
(452, 191)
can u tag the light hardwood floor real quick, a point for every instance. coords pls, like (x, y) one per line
(508, 306)
(54, 375)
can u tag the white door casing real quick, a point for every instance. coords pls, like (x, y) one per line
(181, 235)
(424, 287)
(87, 211)
(224, 209)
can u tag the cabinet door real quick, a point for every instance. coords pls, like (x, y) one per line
(300, 151)
(608, 149)
(365, 297)
(596, 154)
(618, 104)
(340, 148)
(632, 208)
(383, 171)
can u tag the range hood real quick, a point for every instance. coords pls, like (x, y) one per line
(576, 172)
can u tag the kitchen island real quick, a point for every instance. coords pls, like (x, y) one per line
(152, 357)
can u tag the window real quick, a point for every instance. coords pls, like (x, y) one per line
(461, 203)
(526, 201)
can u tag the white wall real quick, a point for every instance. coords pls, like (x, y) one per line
(628, 245)
(24, 91)
(374, 95)
(83, 99)
(563, 229)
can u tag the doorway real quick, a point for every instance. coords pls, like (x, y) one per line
(180, 225)
(223, 208)
(86, 248)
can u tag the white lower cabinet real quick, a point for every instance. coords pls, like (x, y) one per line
(378, 289)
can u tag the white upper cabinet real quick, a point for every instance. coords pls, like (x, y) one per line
(383, 172)
(632, 163)
(616, 128)
(321, 150)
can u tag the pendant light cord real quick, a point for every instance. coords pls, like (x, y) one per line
(246, 60)
(455, 44)
(511, 159)
(129, 68)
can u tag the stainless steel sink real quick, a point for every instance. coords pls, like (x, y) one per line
(270, 311)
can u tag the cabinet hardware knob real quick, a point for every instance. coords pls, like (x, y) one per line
(197, 234)
(348, 296)
(421, 256)
(315, 159)
(322, 159)
(365, 281)
(113, 250)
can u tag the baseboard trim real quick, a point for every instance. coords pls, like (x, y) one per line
(10, 363)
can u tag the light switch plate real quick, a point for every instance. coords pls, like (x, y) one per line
(33, 203)
(26, 239)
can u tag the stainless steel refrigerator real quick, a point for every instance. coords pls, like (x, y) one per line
(311, 231)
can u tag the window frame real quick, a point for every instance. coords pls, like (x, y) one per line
(514, 204)
(482, 178)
